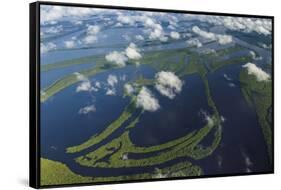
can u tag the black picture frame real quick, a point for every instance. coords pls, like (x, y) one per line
(34, 89)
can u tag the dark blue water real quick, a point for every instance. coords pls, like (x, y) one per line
(242, 137)
(175, 118)
(63, 108)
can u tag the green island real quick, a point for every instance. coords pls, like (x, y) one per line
(119, 147)
(259, 95)
(67, 81)
(57, 173)
(66, 63)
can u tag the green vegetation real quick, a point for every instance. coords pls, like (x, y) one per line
(259, 95)
(66, 81)
(67, 63)
(243, 59)
(100, 59)
(57, 173)
(111, 154)
(226, 51)
(135, 121)
(213, 59)
(141, 81)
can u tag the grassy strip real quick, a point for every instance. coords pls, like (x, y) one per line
(126, 147)
(180, 147)
(57, 173)
(247, 96)
(259, 95)
(66, 81)
(149, 56)
(54, 37)
(212, 59)
(243, 59)
(67, 63)
(141, 81)
(226, 51)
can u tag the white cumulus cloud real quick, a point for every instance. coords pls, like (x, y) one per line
(132, 52)
(120, 58)
(194, 42)
(175, 35)
(53, 13)
(112, 80)
(254, 56)
(257, 72)
(93, 29)
(44, 48)
(158, 33)
(90, 39)
(129, 89)
(221, 38)
(91, 34)
(247, 25)
(69, 44)
(85, 85)
(139, 37)
(224, 39)
(124, 19)
(54, 29)
(168, 84)
(110, 92)
(79, 76)
(147, 101)
(97, 84)
(154, 29)
(117, 57)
